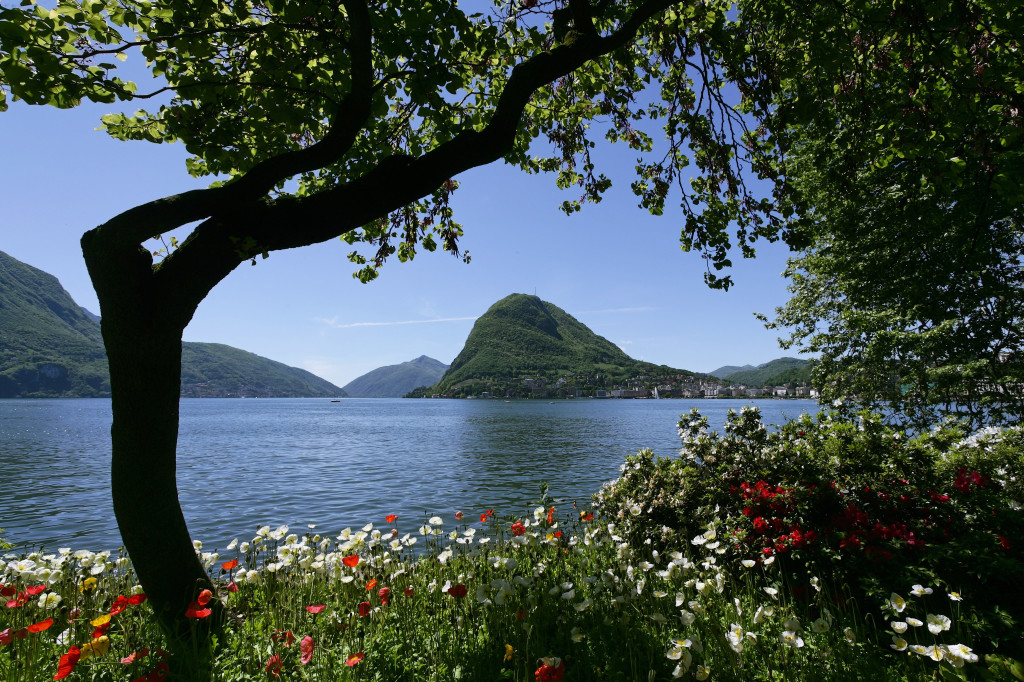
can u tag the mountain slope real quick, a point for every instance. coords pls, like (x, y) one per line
(778, 371)
(51, 347)
(522, 335)
(394, 381)
(723, 372)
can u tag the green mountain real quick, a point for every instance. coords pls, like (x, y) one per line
(522, 336)
(774, 373)
(723, 372)
(394, 381)
(51, 347)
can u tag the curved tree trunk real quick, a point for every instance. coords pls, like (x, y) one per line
(142, 335)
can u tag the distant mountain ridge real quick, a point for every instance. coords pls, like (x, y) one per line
(523, 336)
(774, 373)
(723, 372)
(394, 381)
(52, 347)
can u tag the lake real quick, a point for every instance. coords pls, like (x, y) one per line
(245, 463)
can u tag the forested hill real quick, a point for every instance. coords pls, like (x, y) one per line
(51, 347)
(523, 336)
(394, 381)
(774, 373)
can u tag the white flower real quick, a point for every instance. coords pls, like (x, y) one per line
(576, 635)
(791, 638)
(820, 625)
(244, 547)
(435, 521)
(898, 626)
(898, 643)
(955, 596)
(197, 544)
(919, 591)
(686, 617)
(263, 530)
(703, 673)
(897, 602)
(763, 612)
(634, 509)
(963, 652)
(771, 592)
(232, 544)
(851, 636)
(50, 600)
(748, 563)
(278, 532)
(770, 560)
(914, 622)
(735, 638)
(937, 624)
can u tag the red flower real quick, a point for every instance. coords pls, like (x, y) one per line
(483, 518)
(204, 597)
(458, 516)
(67, 663)
(41, 625)
(101, 629)
(352, 560)
(550, 673)
(228, 565)
(34, 590)
(408, 591)
(197, 610)
(316, 608)
(457, 591)
(6, 636)
(390, 518)
(306, 647)
(384, 594)
(371, 584)
(8, 590)
(131, 658)
(364, 609)
(551, 516)
(231, 586)
(518, 528)
(354, 658)
(273, 666)
(136, 599)
(558, 533)
(119, 605)
(285, 636)
(1004, 542)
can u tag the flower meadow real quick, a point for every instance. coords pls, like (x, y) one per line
(737, 560)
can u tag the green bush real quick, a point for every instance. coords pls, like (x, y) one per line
(867, 505)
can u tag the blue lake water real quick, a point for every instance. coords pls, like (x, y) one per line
(245, 463)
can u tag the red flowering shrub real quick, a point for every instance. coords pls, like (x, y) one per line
(856, 501)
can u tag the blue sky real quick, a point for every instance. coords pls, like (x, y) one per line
(614, 267)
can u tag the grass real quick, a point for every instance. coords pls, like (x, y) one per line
(553, 594)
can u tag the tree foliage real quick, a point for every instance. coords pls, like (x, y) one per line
(907, 188)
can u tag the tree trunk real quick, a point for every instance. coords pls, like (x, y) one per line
(142, 334)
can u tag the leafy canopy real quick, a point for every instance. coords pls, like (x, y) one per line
(283, 101)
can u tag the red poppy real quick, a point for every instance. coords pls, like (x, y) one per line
(351, 560)
(483, 518)
(67, 663)
(228, 565)
(197, 610)
(34, 590)
(490, 512)
(550, 673)
(119, 605)
(518, 528)
(136, 599)
(131, 658)
(384, 594)
(457, 591)
(390, 518)
(551, 516)
(204, 597)
(354, 658)
(231, 586)
(458, 516)
(371, 584)
(102, 629)
(8, 590)
(41, 625)
(316, 608)
(364, 608)
(285, 636)
(558, 533)
(6, 636)
(306, 647)
(409, 591)
(274, 665)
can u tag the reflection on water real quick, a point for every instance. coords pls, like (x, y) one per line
(243, 463)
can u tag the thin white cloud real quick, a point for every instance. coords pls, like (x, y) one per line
(333, 322)
(641, 309)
